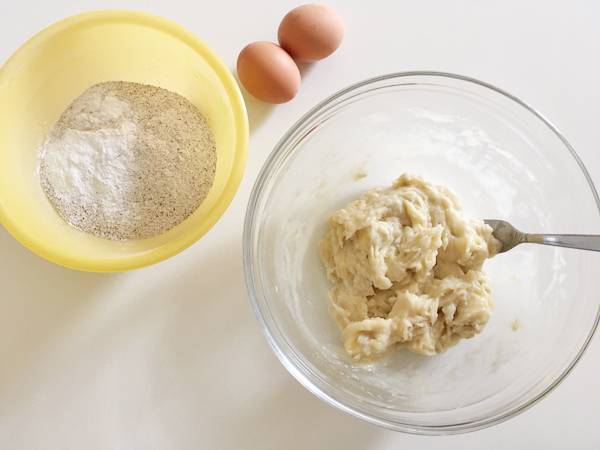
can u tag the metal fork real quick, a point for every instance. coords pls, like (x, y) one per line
(510, 237)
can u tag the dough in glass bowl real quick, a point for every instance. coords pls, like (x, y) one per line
(406, 269)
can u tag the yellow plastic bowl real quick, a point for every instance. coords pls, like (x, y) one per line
(39, 81)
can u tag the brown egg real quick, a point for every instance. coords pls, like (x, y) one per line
(311, 32)
(268, 72)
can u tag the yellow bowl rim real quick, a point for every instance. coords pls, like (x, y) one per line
(237, 171)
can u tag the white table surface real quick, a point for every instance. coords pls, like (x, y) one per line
(138, 361)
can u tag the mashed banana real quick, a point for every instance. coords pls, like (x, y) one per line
(405, 266)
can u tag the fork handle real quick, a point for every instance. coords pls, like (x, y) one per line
(580, 241)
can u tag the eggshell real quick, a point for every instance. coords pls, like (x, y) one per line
(268, 72)
(311, 32)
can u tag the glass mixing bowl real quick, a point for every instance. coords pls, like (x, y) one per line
(504, 160)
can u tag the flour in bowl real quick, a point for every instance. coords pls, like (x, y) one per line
(128, 161)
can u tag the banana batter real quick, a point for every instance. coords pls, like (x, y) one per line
(406, 269)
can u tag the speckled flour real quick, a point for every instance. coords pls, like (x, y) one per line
(128, 161)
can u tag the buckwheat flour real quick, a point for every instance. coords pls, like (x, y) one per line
(128, 161)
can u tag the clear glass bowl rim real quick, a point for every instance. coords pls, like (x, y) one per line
(287, 356)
